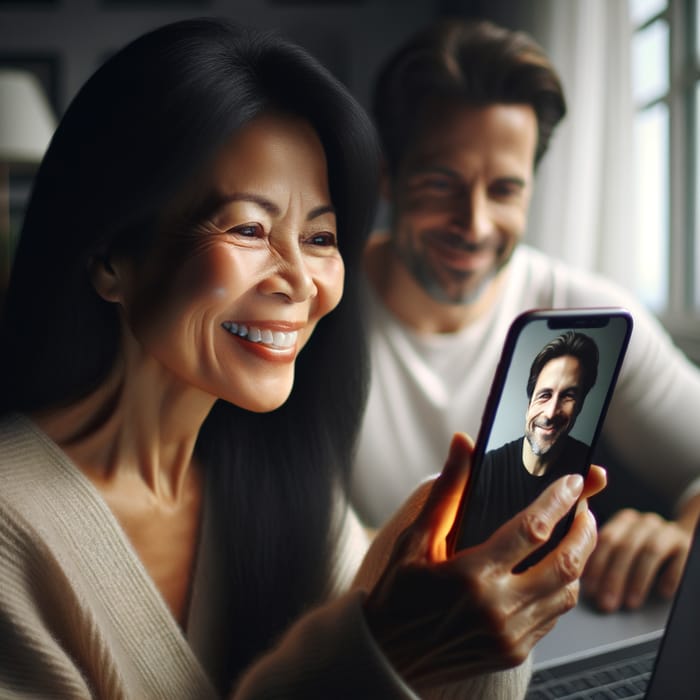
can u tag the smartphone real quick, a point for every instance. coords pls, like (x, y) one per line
(544, 412)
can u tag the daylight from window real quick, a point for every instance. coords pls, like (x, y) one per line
(642, 10)
(650, 81)
(651, 264)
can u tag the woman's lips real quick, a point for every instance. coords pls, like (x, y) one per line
(275, 342)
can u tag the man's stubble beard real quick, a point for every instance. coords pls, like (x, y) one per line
(430, 283)
(552, 450)
(538, 450)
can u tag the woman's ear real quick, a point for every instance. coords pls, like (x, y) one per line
(107, 278)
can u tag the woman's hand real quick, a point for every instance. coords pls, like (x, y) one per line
(440, 620)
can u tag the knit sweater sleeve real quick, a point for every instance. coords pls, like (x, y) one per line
(331, 653)
(328, 653)
(37, 615)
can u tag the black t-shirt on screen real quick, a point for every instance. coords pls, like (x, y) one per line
(505, 487)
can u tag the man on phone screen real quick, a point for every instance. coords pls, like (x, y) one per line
(514, 474)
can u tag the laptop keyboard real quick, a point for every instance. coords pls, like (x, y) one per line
(605, 676)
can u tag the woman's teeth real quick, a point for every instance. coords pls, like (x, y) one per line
(264, 336)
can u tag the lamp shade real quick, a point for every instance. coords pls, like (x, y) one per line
(26, 119)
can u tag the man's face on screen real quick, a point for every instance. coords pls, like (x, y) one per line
(554, 405)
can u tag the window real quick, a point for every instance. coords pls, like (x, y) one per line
(666, 87)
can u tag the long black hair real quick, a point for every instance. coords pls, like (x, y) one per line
(141, 127)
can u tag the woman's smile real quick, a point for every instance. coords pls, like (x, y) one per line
(261, 334)
(274, 342)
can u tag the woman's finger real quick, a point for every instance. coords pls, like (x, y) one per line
(533, 526)
(565, 563)
(596, 480)
(438, 515)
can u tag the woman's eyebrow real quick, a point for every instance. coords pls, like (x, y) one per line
(320, 211)
(266, 204)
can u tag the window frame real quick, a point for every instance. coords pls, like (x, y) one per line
(682, 314)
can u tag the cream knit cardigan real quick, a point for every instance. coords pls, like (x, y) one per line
(81, 618)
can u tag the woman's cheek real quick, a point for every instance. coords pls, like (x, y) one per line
(329, 278)
(212, 268)
(333, 281)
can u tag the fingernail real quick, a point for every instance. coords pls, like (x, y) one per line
(574, 482)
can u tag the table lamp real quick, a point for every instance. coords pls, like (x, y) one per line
(26, 126)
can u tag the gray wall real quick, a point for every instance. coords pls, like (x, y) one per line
(65, 40)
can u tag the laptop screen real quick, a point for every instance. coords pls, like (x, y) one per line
(677, 671)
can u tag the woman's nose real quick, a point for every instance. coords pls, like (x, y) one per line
(290, 276)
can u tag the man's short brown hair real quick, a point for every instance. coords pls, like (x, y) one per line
(465, 63)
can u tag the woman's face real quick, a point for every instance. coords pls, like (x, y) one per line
(227, 304)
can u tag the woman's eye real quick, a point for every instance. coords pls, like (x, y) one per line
(248, 230)
(325, 239)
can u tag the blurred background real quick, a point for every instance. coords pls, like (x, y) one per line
(618, 192)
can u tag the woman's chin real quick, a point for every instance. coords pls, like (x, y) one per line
(261, 404)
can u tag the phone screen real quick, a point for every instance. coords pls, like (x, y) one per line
(545, 410)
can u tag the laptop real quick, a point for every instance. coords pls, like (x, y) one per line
(661, 664)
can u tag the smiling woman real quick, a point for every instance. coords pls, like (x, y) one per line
(183, 375)
(194, 184)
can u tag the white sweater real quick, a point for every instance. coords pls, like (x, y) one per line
(426, 387)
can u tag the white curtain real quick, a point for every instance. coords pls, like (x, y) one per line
(583, 209)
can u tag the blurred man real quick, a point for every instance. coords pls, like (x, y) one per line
(465, 112)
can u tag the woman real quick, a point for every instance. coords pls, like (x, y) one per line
(168, 504)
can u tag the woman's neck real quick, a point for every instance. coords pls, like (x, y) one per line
(134, 439)
(139, 426)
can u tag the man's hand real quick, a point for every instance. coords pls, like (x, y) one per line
(636, 553)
